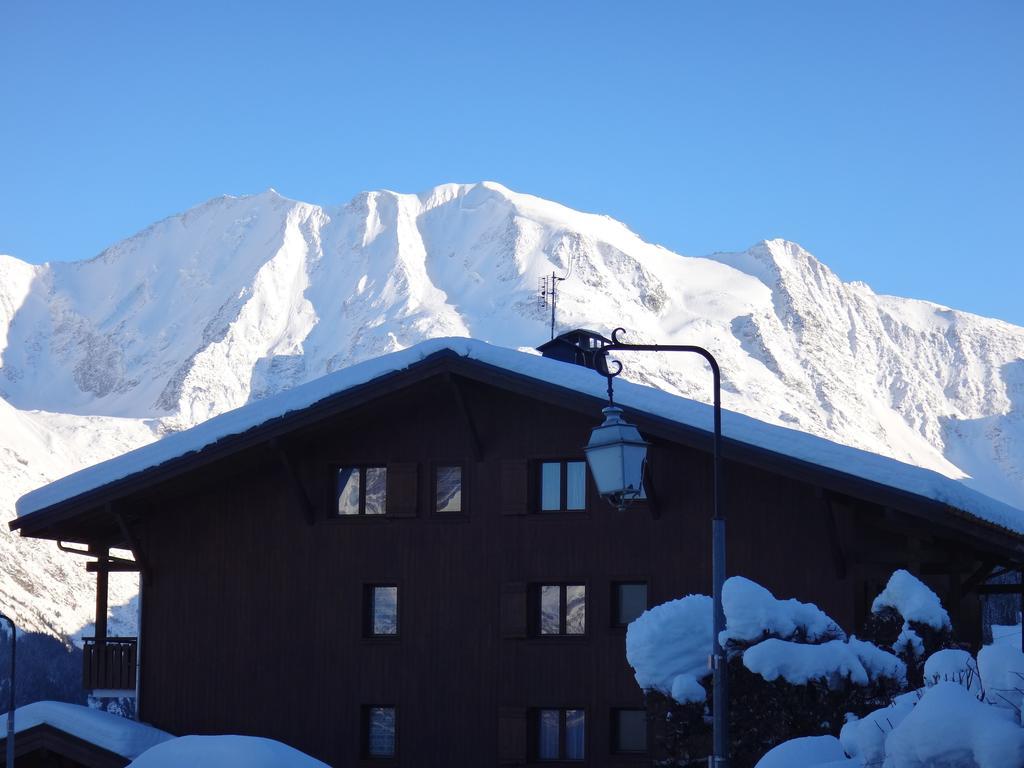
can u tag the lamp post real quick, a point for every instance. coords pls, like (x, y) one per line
(616, 455)
(10, 702)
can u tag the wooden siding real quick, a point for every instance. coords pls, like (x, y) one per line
(252, 620)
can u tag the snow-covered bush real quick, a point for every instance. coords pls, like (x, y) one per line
(967, 714)
(792, 672)
(908, 619)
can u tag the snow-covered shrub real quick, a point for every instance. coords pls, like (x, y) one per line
(864, 737)
(908, 619)
(807, 750)
(668, 647)
(952, 665)
(950, 727)
(1002, 675)
(752, 613)
(792, 672)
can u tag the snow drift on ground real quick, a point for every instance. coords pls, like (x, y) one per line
(240, 298)
(224, 752)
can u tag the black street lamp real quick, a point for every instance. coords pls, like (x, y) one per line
(10, 702)
(616, 455)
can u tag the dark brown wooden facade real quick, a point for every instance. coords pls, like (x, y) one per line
(254, 592)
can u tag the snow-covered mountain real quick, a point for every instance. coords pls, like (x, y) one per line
(242, 297)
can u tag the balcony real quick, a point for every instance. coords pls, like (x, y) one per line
(109, 665)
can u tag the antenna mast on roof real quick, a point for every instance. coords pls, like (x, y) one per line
(549, 291)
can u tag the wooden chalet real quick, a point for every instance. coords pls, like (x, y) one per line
(406, 563)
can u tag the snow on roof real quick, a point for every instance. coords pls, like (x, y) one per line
(735, 426)
(111, 732)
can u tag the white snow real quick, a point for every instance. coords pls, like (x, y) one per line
(668, 647)
(111, 732)
(752, 612)
(1002, 675)
(833, 661)
(864, 738)
(735, 426)
(241, 298)
(805, 752)
(913, 600)
(952, 665)
(950, 727)
(224, 752)
(1006, 634)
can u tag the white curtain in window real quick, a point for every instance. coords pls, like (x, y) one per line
(547, 734)
(575, 734)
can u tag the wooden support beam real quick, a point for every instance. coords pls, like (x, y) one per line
(113, 566)
(294, 482)
(839, 558)
(982, 574)
(133, 544)
(102, 589)
(1000, 589)
(467, 417)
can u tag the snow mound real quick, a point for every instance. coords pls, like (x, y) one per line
(806, 752)
(914, 601)
(668, 647)
(111, 732)
(864, 738)
(834, 662)
(752, 613)
(224, 752)
(1002, 675)
(951, 665)
(950, 727)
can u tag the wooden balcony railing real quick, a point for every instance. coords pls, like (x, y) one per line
(109, 664)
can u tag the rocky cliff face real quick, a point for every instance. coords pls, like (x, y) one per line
(240, 298)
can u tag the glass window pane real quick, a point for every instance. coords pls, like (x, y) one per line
(449, 489)
(631, 601)
(576, 485)
(575, 610)
(547, 734)
(348, 491)
(575, 736)
(381, 741)
(550, 610)
(551, 485)
(630, 730)
(376, 490)
(385, 610)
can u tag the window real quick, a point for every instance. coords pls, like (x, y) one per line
(629, 600)
(629, 731)
(563, 485)
(561, 734)
(381, 617)
(362, 490)
(561, 609)
(379, 732)
(448, 490)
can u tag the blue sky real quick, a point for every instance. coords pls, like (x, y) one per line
(884, 137)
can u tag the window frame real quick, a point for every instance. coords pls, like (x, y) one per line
(536, 607)
(534, 737)
(364, 734)
(368, 611)
(335, 492)
(615, 601)
(614, 731)
(435, 467)
(563, 491)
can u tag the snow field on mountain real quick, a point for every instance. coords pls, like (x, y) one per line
(241, 298)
